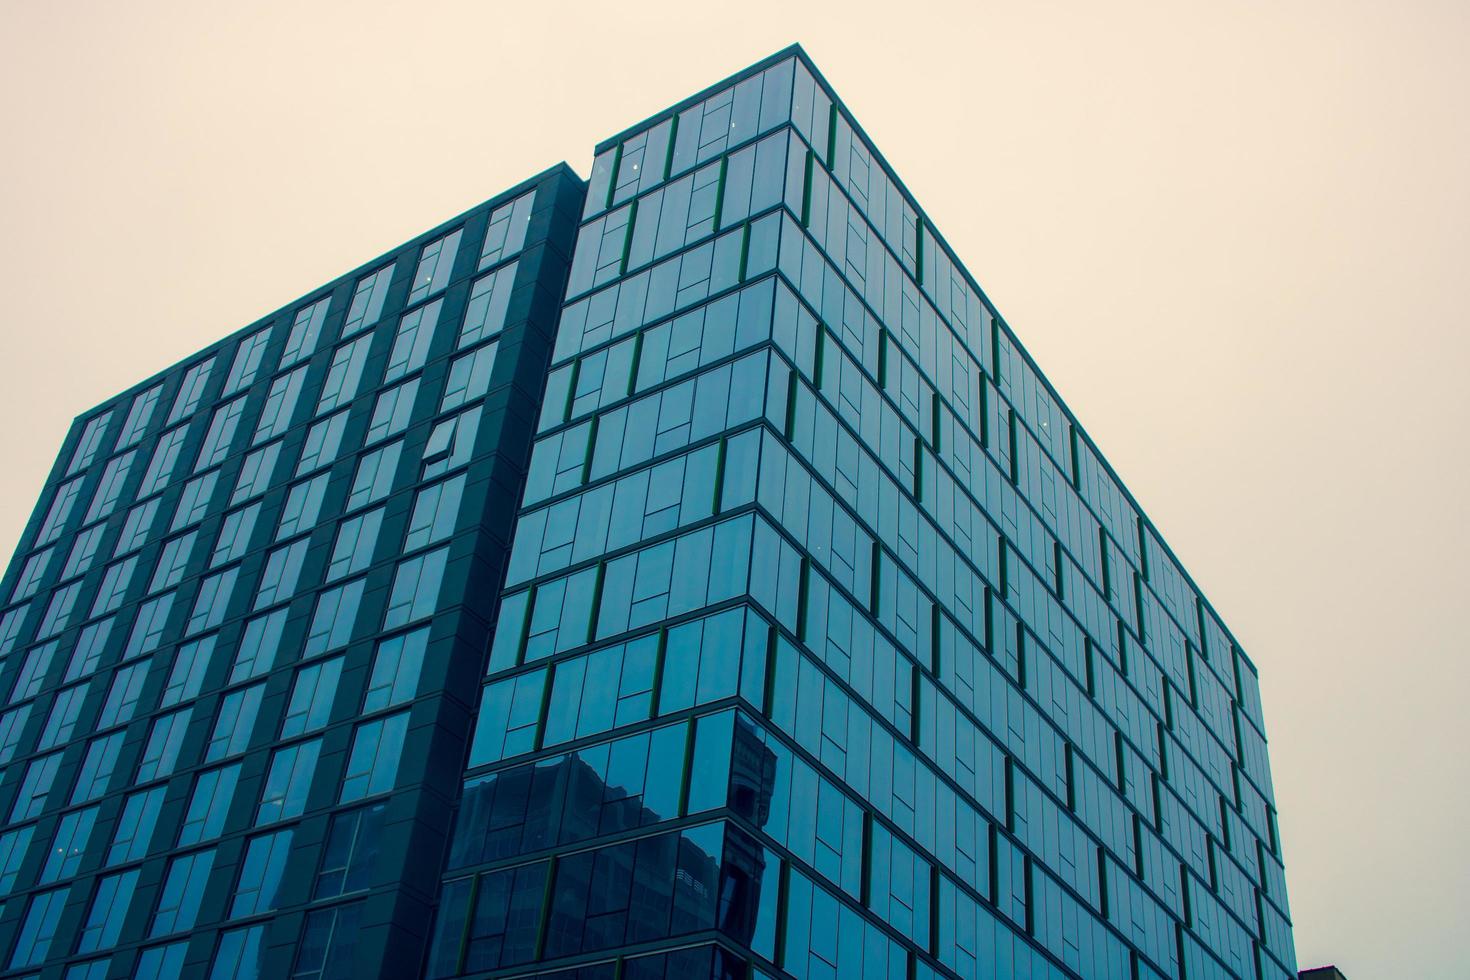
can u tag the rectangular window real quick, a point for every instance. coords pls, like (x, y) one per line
(60, 509)
(234, 723)
(415, 589)
(506, 234)
(280, 405)
(323, 440)
(182, 893)
(412, 342)
(12, 727)
(88, 444)
(135, 826)
(105, 920)
(396, 668)
(13, 847)
(139, 416)
(356, 539)
(349, 860)
(305, 332)
(88, 654)
(234, 535)
(469, 376)
(162, 962)
(260, 874)
(58, 612)
(238, 955)
(310, 707)
(137, 527)
(258, 645)
(97, 767)
(335, 617)
(282, 569)
(31, 574)
(435, 513)
(303, 504)
(165, 458)
(161, 753)
(255, 474)
(247, 362)
(83, 550)
(213, 601)
(109, 490)
(68, 845)
(484, 316)
(31, 799)
(148, 628)
(344, 375)
(191, 391)
(372, 767)
(122, 696)
(42, 916)
(367, 300)
(191, 664)
(436, 265)
(114, 585)
(450, 443)
(221, 434)
(194, 501)
(172, 561)
(329, 942)
(375, 475)
(288, 782)
(10, 625)
(63, 718)
(209, 806)
(392, 411)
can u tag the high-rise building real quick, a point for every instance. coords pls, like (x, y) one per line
(682, 574)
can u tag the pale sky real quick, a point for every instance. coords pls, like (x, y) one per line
(1235, 236)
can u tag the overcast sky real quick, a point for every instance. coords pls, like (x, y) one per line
(1235, 235)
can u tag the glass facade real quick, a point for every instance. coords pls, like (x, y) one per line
(682, 574)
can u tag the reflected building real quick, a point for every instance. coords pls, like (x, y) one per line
(685, 573)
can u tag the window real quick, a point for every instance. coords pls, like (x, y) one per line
(32, 674)
(183, 889)
(335, 617)
(506, 234)
(450, 443)
(435, 512)
(165, 458)
(136, 527)
(162, 962)
(351, 853)
(13, 847)
(375, 472)
(436, 264)
(323, 440)
(92, 970)
(172, 561)
(161, 752)
(63, 718)
(88, 654)
(135, 826)
(258, 645)
(12, 727)
(34, 785)
(234, 535)
(68, 845)
(58, 612)
(415, 589)
(109, 909)
(329, 943)
(303, 504)
(210, 805)
(395, 676)
(344, 375)
(234, 723)
(238, 956)
(10, 626)
(213, 601)
(113, 587)
(353, 550)
(97, 767)
(221, 434)
(191, 663)
(122, 696)
(412, 342)
(60, 510)
(247, 361)
(367, 300)
(83, 550)
(194, 501)
(282, 569)
(139, 416)
(255, 474)
(109, 490)
(88, 444)
(288, 782)
(260, 874)
(392, 411)
(148, 628)
(305, 332)
(39, 928)
(30, 575)
(469, 376)
(484, 316)
(372, 766)
(280, 405)
(191, 391)
(310, 706)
